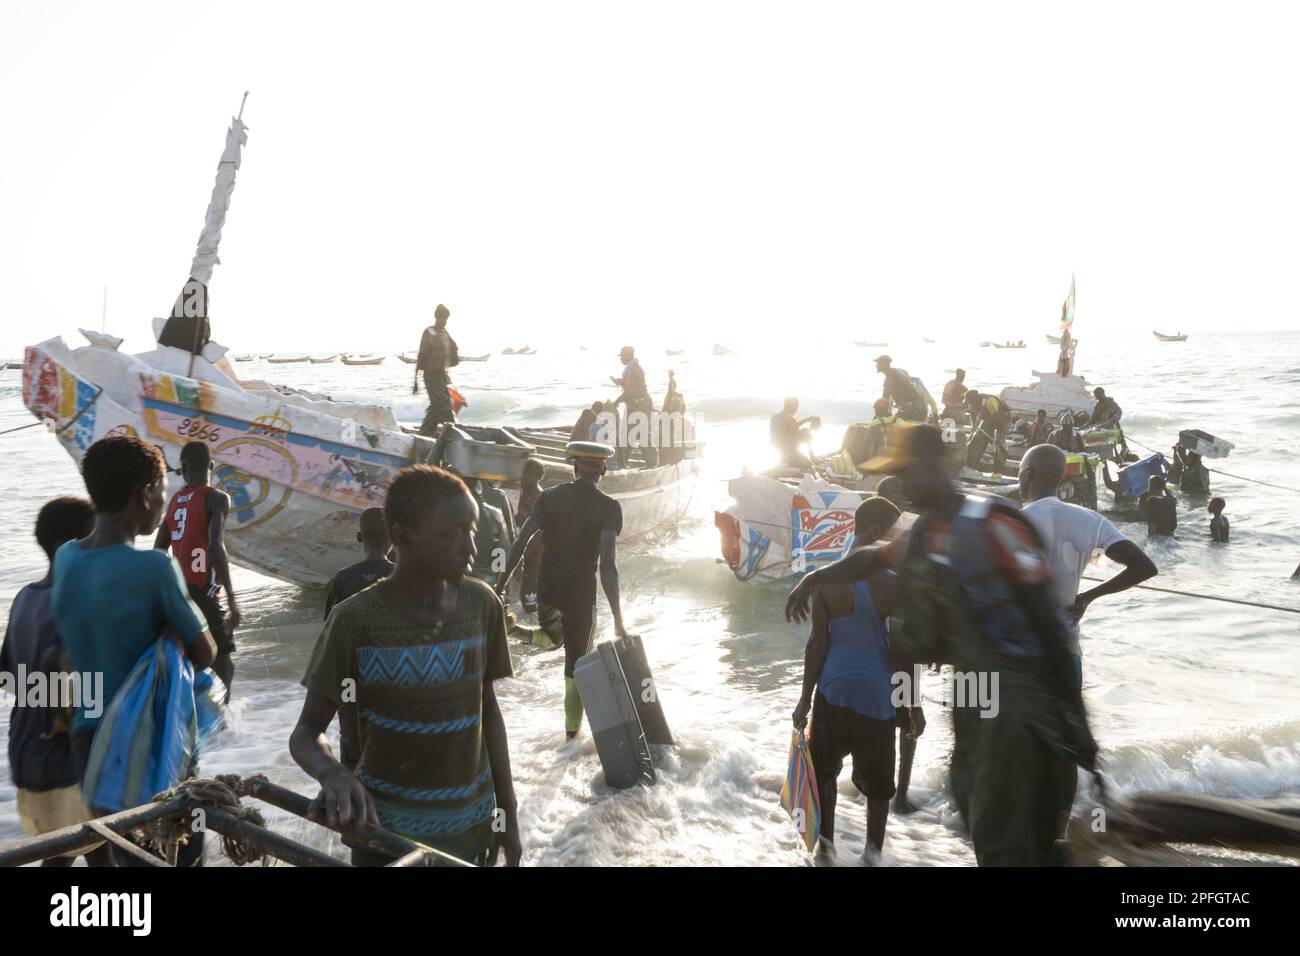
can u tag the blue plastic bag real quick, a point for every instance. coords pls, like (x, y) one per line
(153, 731)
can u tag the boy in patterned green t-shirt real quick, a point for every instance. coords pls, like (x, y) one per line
(415, 656)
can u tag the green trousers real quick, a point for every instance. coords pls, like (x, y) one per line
(1011, 778)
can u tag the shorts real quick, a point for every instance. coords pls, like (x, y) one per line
(571, 627)
(216, 618)
(44, 811)
(838, 732)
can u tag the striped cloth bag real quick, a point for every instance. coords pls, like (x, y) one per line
(153, 730)
(799, 794)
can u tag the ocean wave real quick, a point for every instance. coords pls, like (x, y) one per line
(1255, 762)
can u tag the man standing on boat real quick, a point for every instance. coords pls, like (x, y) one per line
(954, 395)
(438, 353)
(640, 407)
(900, 390)
(582, 525)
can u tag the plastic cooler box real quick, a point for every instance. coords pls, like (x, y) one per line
(1204, 444)
(1133, 478)
(612, 715)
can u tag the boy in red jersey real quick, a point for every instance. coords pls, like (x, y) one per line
(194, 530)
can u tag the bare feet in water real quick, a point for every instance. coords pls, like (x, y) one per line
(903, 806)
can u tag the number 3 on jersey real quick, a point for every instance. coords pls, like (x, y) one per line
(179, 517)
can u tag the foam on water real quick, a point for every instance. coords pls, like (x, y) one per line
(1183, 693)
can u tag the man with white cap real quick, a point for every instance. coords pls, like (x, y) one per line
(582, 525)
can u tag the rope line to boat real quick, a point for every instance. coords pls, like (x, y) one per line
(9, 431)
(66, 425)
(1225, 474)
(1144, 587)
(1207, 597)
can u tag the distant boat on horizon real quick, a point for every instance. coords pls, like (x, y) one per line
(1179, 337)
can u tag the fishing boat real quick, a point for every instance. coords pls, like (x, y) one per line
(1179, 337)
(927, 341)
(870, 345)
(477, 358)
(985, 345)
(1057, 394)
(299, 467)
(722, 350)
(288, 357)
(363, 358)
(323, 359)
(1053, 340)
(245, 358)
(1010, 345)
(410, 358)
(264, 356)
(674, 352)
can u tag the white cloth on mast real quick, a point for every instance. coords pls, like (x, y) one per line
(205, 257)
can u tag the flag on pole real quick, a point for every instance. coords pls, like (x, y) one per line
(1067, 307)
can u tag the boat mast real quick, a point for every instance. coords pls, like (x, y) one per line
(205, 256)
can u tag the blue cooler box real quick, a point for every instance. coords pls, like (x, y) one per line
(1133, 479)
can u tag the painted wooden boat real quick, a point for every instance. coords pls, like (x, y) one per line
(298, 468)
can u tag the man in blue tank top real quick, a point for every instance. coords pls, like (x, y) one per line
(847, 661)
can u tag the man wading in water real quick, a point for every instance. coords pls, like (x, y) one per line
(582, 525)
(974, 591)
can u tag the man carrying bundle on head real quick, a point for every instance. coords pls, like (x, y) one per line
(438, 353)
(582, 525)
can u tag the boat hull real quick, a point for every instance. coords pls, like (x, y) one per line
(1052, 393)
(776, 529)
(297, 476)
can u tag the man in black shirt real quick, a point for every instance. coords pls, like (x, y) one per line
(438, 353)
(374, 567)
(900, 390)
(582, 525)
(1157, 507)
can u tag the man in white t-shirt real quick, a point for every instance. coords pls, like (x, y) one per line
(1071, 535)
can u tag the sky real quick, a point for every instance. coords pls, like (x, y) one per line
(684, 172)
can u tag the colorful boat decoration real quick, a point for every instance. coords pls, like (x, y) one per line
(777, 528)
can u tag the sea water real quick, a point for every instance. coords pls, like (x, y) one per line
(1183, 693)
